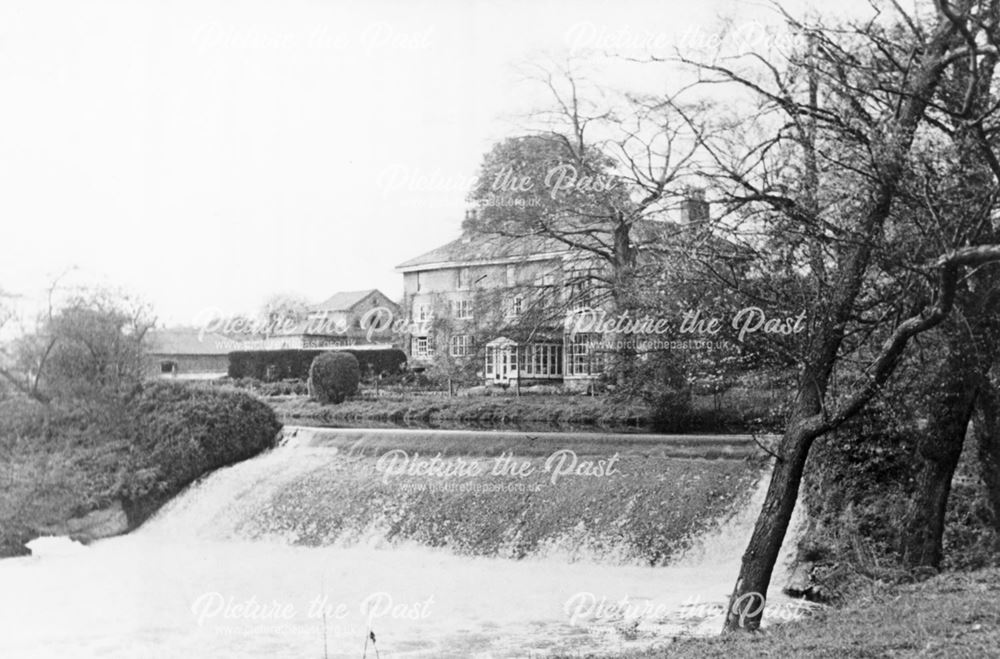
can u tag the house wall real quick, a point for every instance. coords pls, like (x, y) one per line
(186, 365)
(489, 289)
(369, 321)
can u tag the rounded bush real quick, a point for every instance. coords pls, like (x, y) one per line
(333, 376)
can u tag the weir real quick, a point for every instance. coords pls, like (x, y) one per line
(601, 497)
(313, 544)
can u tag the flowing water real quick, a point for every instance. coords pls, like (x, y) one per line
(210, 577)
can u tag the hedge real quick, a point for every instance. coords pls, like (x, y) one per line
(272, 365)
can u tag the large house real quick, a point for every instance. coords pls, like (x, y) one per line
(503, 305)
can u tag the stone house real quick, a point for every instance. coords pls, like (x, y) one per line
(504, 306)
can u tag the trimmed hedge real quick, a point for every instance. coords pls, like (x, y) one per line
(183, 432)
(333, 377)
(273, 365)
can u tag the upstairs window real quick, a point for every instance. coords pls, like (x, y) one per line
(463, 309)
(517, 305)
(462, 279)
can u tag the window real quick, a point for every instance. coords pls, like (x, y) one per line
(548, 293)
(462, 279)
(517, 306)
(511, 275)
(463, 309)
(460, 345)
(542, 360)
(583, 358)
(168, 367)
(423, 312)
(489, 361)
(421, 346)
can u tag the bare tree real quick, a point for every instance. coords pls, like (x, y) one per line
(847, 111)
(596, 174)
(88, 343)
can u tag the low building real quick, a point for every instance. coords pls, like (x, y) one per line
(187, 353)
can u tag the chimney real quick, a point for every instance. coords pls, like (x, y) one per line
(694, 208)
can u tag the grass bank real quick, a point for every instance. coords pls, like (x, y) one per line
(528, 411)
(954, 615)
(93, 468)
(474, 411)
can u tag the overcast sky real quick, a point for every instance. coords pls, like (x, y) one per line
(206, 154)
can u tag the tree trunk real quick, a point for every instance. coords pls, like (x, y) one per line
(623, 265)
(987, 425)
(746, 604)
(951, 395)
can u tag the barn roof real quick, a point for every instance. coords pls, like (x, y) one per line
(188, 341)
(344, 300)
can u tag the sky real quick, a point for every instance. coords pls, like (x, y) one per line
(204, 155)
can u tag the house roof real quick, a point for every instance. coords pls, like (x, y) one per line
(188, 341)
(344, 300)
(479, 249)
(482, 248)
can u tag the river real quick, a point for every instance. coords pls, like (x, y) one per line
(201, 580)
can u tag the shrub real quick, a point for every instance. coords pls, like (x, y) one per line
(182, 432)
(662, 386)
(333, 377)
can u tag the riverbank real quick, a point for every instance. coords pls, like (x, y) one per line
(91, 469)
(954, 615)
(529, 411)
(472, 411)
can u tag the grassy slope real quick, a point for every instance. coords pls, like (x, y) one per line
(952, 616)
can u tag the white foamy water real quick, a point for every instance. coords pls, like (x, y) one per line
(187, 585)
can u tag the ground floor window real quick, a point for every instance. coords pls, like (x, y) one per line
(421, 346)
(460, 345)
(506, 359)
(168, 367)
(584, 356)
(542, 359)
